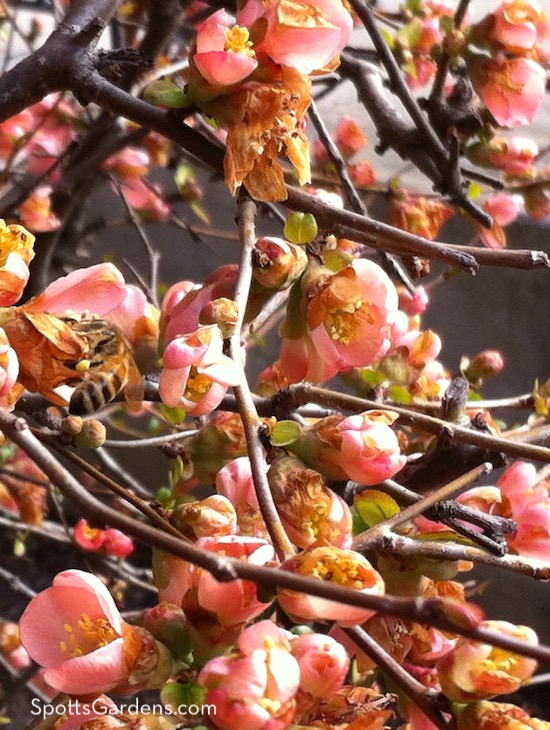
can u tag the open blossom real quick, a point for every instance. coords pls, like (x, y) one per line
(511, 88)
(201, 595)
(362, 447)
(36, 212)
(309, 510)
(75, 630)
(255, 689)
(344, 568)
(527, 502)
(419, 215)
(349, 137)
(196, 374)
(513, 155)
(518, 25)
(9, 370)
(224, 55)
(472, 670)
(503, 209)
(307, 35)
(110, 541)
(485, 715)
(343, 320)
(16, 253)
(234, 481)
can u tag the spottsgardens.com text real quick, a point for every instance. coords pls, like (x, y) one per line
(100, 708)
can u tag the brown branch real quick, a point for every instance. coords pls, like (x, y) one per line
(251, 421)
(302, 393)
(427, 699)
(429, 611)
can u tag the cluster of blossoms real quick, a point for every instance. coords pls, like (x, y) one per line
(33, 141)
(253, 77)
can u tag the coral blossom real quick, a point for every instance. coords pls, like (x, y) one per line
(511, 88)
(472, 670)
(200, 594)
(306, 35)
(344, 568)
(196, 374)
(75, 630)
(224, 55)
(255, 689)
(362, 447)
(344, 321)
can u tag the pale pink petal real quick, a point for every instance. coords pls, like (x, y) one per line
(98, 671)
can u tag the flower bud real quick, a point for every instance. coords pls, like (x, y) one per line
(485, 364)
(223, 312)
(301, 228)
(211, 517)
(92, 435)
(277, 263)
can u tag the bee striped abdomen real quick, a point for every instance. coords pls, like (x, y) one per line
(95, 393)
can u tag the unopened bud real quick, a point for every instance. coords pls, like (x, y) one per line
(211, 517)
(72, 425)
(223, 312)
(277, 263)
(485, 364)
(92, 435)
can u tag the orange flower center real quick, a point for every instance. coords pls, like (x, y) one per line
(15, 239)
(197, 386)
(90, 634)
(337, 566)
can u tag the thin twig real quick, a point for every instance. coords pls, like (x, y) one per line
(251, 421)
(426, 698)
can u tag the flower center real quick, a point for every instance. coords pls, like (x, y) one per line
(344, 324)
(197, 386)
(237, 40)
(342, 569)
(13, 239)
(90, 634)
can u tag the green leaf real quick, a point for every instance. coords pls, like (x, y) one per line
(284, 433)
(163, 92)
(372, 377)
(173, 415)
(177, 694)
(176, 471)
(400, 394)
(374, 506)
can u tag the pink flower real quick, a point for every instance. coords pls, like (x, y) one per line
(9, 370)
(36, 212)
(254, 690)
(323, 663)
(516, 25)
(147, 200)
(130, 162)
(13, 130)
(527, 502)
(98, 289)
(474, 671)
(75, 630)
(307, 35)
(511, 88)
(515, 156)
(196, 374)
(224, 54)
(344, 321)
(234, 481)
(362, 447)
(16, 253)
(349, 137)
(184, 302)
(200, 594)
(111, 541)
(344, 568)
(504, 209)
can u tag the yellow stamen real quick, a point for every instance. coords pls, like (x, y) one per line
(92, 635)
(237, 40)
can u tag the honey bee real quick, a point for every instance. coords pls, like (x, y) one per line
(107, 369)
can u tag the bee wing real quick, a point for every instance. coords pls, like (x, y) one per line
(58, 332)
(134, 389)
